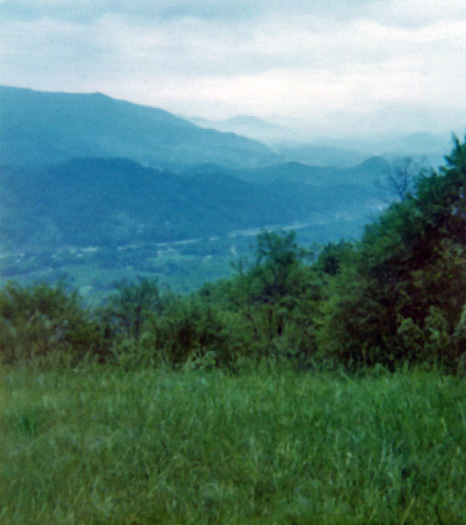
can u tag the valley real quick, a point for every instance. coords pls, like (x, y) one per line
(182, 265)
(98, 189)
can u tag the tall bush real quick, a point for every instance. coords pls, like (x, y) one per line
(40, 320)
(402, 293)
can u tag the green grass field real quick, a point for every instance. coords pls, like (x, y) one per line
(268, 446)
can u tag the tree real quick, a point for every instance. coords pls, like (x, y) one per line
(42, 320)
(399, 180)
(332, 257)
(402, 293)
(278, 261)
(277, 296)
(130, 306)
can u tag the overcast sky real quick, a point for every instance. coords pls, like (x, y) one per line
(340, 64)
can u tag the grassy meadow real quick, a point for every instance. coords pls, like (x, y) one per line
(103, 445)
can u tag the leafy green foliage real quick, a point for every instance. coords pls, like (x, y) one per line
(128, 309)
(397, 295)
(399, 180)
(332, 257)
(401, 294)
(145, 325)
(266, 309)
(276, 297)
(41, 320)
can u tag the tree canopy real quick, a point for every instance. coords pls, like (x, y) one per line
(398, 295)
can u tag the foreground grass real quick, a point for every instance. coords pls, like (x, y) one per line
(148, 446)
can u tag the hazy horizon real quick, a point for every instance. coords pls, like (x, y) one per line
(359, 68)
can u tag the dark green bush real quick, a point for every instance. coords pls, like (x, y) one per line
(400, 296)
(144, 325)
(275, 299)
(41, 320)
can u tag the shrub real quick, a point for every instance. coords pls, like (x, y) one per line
(41, 320)
(401, 293)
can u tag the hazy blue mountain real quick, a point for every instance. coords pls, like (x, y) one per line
(86, 179)
(420, 142)
(96, 201)
(430, 148)
(308, 189)
(287, 173)
(39, 128)
(297, 140)
(323, 176)
(98, 220)
(247, 126)
(344, 153)
(316, 155)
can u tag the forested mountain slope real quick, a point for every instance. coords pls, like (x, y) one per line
(94, 201)
(39, 128)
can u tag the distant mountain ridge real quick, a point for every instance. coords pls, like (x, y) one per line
(108, 202)
(86, 169)
(300, 142)
(247, 126)
(292, 172)
(42, 128)
(87, 174)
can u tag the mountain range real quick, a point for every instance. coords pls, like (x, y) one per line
(41, 128)
(95, 201)
(86, 170)
(296, 140)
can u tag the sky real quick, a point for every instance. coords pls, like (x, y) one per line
(349, 66)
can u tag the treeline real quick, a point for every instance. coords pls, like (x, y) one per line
(396, 296)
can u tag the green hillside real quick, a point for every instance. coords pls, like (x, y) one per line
(110, 202)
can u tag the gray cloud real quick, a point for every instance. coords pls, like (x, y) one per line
(330, 62)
